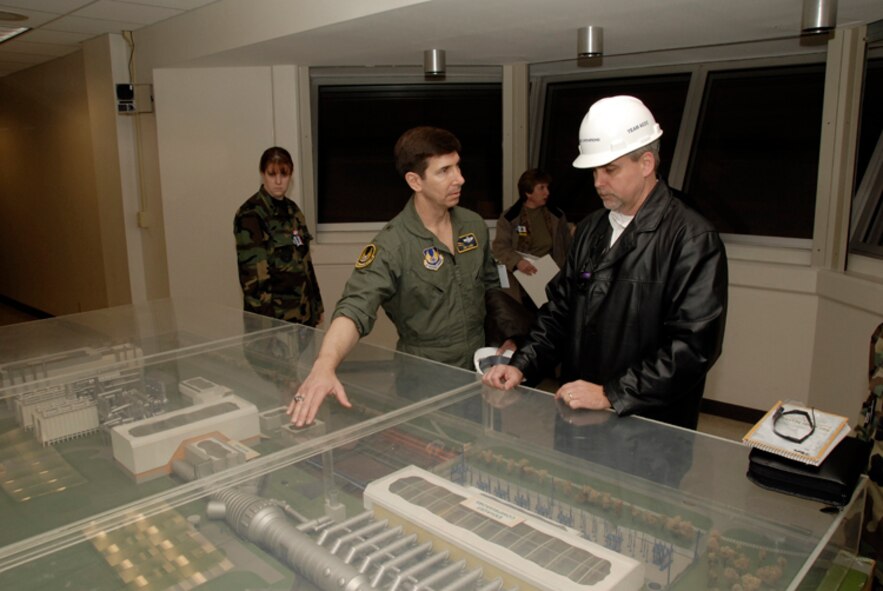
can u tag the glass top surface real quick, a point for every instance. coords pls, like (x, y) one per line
(56, 347)
(108, 471)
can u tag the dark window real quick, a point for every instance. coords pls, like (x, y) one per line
(359, 125)
(868, 232)
(565, 106)
(871, 123)
(754, 162)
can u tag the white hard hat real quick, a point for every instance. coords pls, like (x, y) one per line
(486, 357)
(614, 127)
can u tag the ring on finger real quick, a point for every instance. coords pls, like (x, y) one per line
(570, 397)
(298, 398)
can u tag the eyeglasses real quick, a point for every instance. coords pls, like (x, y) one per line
(797, 429)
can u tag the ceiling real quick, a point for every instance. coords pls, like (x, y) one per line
(473, 32)
(59, 26)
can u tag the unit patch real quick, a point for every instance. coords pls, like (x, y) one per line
(366, 257)
(521, 230)
(432, 258)
(466, 242)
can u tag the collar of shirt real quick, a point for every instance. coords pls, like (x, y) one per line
(415, 225)
(619, 222)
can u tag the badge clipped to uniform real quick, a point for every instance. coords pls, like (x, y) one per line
(466, 242)
(521, 230)
(432, 258)
(296, 238)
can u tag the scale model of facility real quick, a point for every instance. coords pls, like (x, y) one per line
(124, 357)
(525, 551)
(112, 392)
(148, 448)
(422, 532)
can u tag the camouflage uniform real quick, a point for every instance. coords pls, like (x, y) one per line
(273, 252)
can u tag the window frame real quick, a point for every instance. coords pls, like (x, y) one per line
(867, 202)
(356, 232)
(764, 248)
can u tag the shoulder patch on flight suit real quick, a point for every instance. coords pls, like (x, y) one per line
(466, 242)
(366, 257)
(432, 258)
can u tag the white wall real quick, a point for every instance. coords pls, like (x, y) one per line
(213, 125)
(768, 344)
(850, 308)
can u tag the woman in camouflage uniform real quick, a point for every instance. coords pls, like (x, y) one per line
(273, 248)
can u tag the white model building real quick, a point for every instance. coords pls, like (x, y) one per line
(199, 390)
(123, 358)
(65, 419)
(95, 373)
(147, 448)
(208, 456)
(274, 419)
(502, 540)
(27, 404)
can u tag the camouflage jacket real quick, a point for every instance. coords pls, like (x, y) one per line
(273, 252)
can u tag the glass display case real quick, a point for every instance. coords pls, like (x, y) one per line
(31, 351)
(175, 468)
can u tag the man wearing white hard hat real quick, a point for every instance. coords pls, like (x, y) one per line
(636, 317)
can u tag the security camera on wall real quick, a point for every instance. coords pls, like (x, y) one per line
(134, 98)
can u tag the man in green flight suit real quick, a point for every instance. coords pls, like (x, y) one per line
(429, 268)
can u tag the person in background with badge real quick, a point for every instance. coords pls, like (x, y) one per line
(273, 248)
(529, 227)
(429, 268)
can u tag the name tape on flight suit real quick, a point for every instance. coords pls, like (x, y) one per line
(466, 242)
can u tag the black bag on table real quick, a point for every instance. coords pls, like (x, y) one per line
(831, 482)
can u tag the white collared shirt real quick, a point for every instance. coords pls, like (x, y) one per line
(619, 222)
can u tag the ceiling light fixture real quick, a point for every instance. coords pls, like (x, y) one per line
(434, 63)
(7, 33)
(819, 16)
(589, 42)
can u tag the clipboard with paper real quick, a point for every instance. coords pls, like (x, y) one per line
(778, 432)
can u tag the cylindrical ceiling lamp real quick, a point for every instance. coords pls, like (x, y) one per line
(434, 63)
(589, 42)
(819, 16)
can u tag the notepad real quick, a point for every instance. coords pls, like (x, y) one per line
(830, 429)
(535, 285)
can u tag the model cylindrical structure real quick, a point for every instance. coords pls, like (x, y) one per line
(265, 523)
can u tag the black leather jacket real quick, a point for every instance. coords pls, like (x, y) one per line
(645, 318)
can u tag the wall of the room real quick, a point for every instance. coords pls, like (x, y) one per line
(211, 143)
(213, 124)
(52, 202)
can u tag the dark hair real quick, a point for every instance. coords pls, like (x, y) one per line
(418, 144)
(529, 180)
(278, 156)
